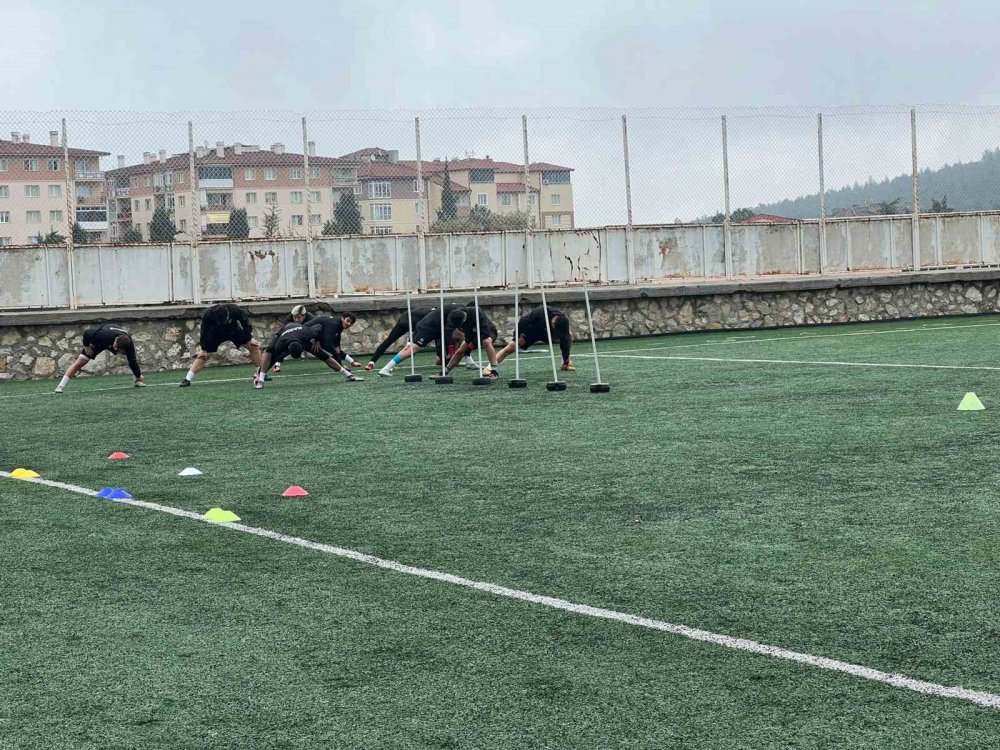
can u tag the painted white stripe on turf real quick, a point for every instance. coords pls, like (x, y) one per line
(990, 700)
(682, 358)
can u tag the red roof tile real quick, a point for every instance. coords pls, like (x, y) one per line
(10, 148)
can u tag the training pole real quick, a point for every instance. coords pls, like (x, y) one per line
(517, 382)
(481, 379)
(556, 384)
(444, 378)
(600, 386)
(413, 377)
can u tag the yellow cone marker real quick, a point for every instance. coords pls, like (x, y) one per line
(971, 402)
(218, 515)
(24, 474)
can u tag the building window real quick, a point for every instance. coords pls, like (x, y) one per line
(382, 230)
(3, 165)
(416, 188)
(296, 220)
(32, 191)
(555, 221)
(4, 241)
(480, 175)
(251, 198)
(555, 198)
(555, 178)
(296, 196)
(31, 165)
(179, 177)
(295, 173)
(55, 217)
(4, 217)
(181, 201)
(270, 197)
(137, 206)
(147, 181)
(381, 212)
(252, 222)
(249, 174)
(270, 174)
(418, 208)
(4, 191)
(55, 191)
(534, 199)
(342, 174)
(481, 199)
(33, 217)
(505, 199)
(316, 219)
(53, 165)
(183, 225)
(171, 202)
(315, 196)
(313, 173)
(379, 190)
(148, 205)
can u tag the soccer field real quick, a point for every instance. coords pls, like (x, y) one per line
(527, 558)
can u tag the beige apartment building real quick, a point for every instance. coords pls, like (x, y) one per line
(34, 187)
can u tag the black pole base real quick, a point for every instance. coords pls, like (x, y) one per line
(517, 383)
(443, 379)
(600, 388)
(482, 381)
(414, 378)
(556, 385)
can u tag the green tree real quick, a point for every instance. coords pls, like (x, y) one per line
(272, 223)
(52, 238)
(347, 215)
(80, 237)
(161, 228)
(133, 235)
(741, 214)
(449, 204)
(941, 206)
(239, 226)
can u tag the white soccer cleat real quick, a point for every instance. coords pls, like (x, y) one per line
(277, 368)
(385, 372)
(59, 389)
(470, 363)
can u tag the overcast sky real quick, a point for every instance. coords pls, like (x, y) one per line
(512, 55)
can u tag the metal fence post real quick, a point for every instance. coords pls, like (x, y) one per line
(424, 213)
(529, 251)
(822, 196)
(726, 238)
(915, 229)
(629, 247)
(195, 233)
(310, 250)
(68, 186)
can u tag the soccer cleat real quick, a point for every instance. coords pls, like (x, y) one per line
(470, 364)
(385, 373)
(370, 366)
(257, 384)
(59, 389)
(354, 379)
(493, 374)
(568, 367)
(185, 383)
(267, 377)
(140, 384)
(277, 367)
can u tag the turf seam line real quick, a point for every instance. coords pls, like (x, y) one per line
(982, 698)
(830, 363)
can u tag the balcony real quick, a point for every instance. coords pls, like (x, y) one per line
(92, 220)
(85, 176)
(90, 200)
(123, 192)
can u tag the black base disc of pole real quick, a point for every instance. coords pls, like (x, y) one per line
(413, 378)
(482, 381)
(517, 383)
(556, 385)
(444, 379)
(600, 388)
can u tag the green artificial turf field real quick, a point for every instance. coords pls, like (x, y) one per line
(763, 485)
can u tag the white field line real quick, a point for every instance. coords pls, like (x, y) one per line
(828, 363)
(990, 700)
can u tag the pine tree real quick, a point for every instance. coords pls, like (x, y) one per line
(132, 236)
(79, 236)
(161, 228)
(449, 204)
(239, 226)
(52, 238)
(347, 215)
(272, 223)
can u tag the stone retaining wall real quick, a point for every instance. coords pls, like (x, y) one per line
(43, 344)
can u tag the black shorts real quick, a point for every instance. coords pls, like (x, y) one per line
(423, 336)
(212, 338)
(488, 333)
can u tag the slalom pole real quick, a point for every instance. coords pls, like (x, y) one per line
(517, 382)
(481, 379)
(413, 377)
(556, 384)
(444, 378)
(600, 386)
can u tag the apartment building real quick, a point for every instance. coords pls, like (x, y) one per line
(34, 186)
(262, 181)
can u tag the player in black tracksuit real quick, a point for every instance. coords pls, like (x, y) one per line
(219, 324)
(487, 335)
(426, 330)
(100, 339)
(402, 327)
(332, 328)
(293, 341)
(531, 330)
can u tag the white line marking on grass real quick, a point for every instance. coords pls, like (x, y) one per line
(990, 700)
(682, 358)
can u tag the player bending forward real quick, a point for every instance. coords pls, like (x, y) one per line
(293, 341)
(219, 324)
(488, 333)
(425, 331)
(299, 314)
(104, 338)
(401, 327)
(531, 330)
